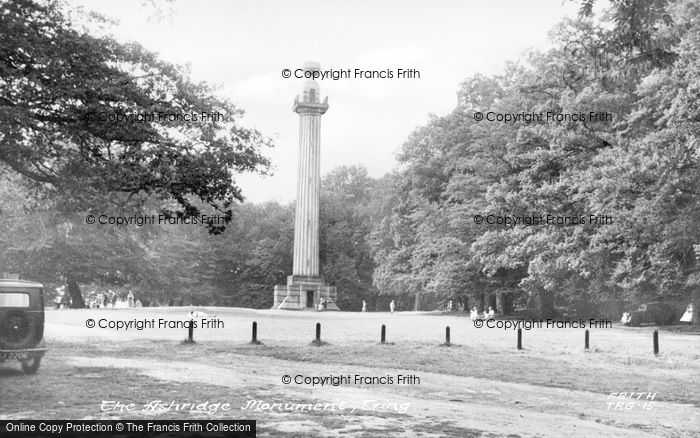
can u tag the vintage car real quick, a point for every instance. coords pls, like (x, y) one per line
(22, 323)
(657, 313)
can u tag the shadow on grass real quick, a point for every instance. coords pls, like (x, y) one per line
(589, 372)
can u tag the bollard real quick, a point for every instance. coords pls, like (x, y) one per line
(447, 337)
(520, 339)
(656, 342)
(254, 339)
(190, 332)
(317, 342)
(586, 342)
(383, 334)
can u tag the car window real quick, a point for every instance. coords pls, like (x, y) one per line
(14, 299)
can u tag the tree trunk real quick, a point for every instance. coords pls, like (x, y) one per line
(507, 303)
(416, 304)
(696, 307)
(76, 297)
(545, 305)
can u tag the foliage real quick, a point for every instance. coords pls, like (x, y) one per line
(641, 169)
(57, 82)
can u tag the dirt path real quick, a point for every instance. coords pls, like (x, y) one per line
(439, 401)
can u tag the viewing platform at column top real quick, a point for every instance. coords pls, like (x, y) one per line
(309, 102)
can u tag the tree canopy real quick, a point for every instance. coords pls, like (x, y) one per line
(94, 122)
(640, 168)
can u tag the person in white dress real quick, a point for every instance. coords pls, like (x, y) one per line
(688, 315)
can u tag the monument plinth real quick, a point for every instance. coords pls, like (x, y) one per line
(305, 288)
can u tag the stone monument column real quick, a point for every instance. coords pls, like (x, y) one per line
(305, 288)
(306, 247)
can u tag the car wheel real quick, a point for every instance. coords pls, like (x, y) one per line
(18, 330)
(31, 365)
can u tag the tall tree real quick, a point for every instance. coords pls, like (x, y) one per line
(95, 122)
(348, 200)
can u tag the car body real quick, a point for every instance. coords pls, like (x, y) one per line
(657, 313)
(22, 323)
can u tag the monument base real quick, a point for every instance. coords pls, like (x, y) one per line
(303, 292)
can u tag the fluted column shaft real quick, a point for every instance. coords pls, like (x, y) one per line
(306, 224)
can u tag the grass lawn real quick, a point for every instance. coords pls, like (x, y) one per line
(482, 386)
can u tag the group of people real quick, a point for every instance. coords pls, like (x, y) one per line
(392, 306)
(474, 314)
(110, 300)
(104, 300)
(323, 304)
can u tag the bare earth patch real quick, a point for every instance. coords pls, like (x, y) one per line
(469, 403)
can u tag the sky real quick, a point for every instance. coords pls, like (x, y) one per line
(242, 46)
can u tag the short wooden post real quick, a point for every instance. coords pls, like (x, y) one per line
(656, 342)
(317, 340)
(190, 332)
(586, 341)
(254, 337)
(383, 338)
(447, 338)
(520, 339)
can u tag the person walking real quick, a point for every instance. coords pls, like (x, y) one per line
(392, 306)
(364, 306)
